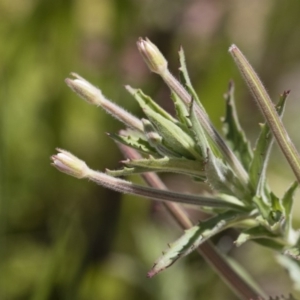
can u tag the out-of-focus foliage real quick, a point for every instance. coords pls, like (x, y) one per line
(65, 239)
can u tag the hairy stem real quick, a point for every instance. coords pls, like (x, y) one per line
(268, 110)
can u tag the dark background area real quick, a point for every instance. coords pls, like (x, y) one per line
(61, 238)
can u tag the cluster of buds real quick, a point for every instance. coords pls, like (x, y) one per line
(189, 144)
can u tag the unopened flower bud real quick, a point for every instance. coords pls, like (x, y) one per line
(152, 56)
(69, 164)
(94, 96)
(85, 90)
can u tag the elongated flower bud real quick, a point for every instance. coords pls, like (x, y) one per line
(85, 90)
(68, 163)
(152, 56)
(93, 95)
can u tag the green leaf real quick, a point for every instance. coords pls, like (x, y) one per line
(184, 75)
(258, 165)
(219, 145)
(260, 160)
(146, 101)
(181, 111)
(253, 233)
(233, 131)
(156, 140)
(208, 143)
(262, 205)
(198, 131)
(173, 136)
(126, 171)
(258, 168)
(132, 141)
(288, 199)
(273, 222)
(167, 164)
(230, 199)
(191, 239)
(287, 203)
(222, 178)
(276, 215)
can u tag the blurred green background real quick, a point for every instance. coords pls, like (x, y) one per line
(61, 238)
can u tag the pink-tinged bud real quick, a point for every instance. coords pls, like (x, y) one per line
(69, 164)
(152, 56)
(85, 90)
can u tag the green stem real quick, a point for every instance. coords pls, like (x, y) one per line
(127, 187)
(267, 107)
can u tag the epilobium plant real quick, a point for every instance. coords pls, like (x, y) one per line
(189, 144)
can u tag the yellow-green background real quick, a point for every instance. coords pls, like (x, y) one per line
(61, 238)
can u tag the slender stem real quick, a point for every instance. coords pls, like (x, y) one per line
(267, 107)
(94, 96)
(207, 250)
(127, 187)
(72, 165)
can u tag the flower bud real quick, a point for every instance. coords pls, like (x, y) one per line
(152, 56)
(85, 90)
(94, 96)
(69, 164)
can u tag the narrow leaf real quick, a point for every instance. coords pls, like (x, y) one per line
(258, 166)
(191, 239)
(263, 206)
(210, 131)
(186, 78)
(146, 101)
(233, 131)
(134, 142)
(262, 151)
(288, 199)
(126, 171)
(156, 140)
(222, 178)
(253, 233)
(273, 222)
(167, 164)
(181, 111)
(173, 136)
(287, 203)
(198, 131)
(276, 215)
